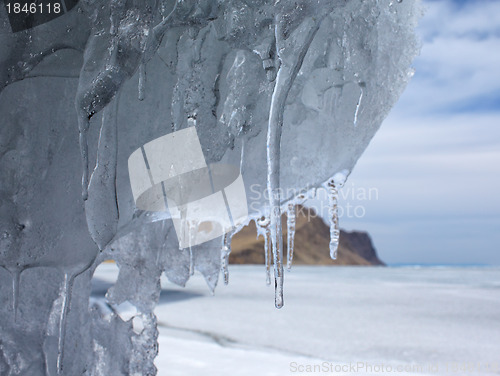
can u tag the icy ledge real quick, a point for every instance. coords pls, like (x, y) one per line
(290, 94)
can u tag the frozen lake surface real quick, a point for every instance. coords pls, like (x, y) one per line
(341, 320)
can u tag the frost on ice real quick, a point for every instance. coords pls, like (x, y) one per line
(287, 93)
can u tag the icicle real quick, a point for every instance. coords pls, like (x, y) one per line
(191, 261)
(334, 219)
(142, 81)
(66, 295)
(101, 207)
(226, 250)
(273, 178)
(283, 84)
(268, 250)
(291, 56)
(263, 224)
(84, 150)
(290, 233)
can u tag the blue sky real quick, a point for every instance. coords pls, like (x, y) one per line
(435, 163)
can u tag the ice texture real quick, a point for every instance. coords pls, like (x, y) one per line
(290, 223)
(289, 92)
(332, 188)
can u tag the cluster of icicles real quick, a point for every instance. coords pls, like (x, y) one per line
(269, 226)
(274, 255)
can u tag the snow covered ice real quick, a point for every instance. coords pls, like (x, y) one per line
(377, 316)
(288, 94)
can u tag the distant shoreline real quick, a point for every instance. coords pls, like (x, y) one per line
(437, 266)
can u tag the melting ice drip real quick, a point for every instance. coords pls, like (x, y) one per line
(291, 92)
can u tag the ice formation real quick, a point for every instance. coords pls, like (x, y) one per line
(288, 92)
(332, 187)
(290, 224)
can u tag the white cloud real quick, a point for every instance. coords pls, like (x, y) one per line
(460, 56)
(434, 168)
(449, 19)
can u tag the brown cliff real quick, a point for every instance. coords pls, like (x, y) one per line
(312, 239)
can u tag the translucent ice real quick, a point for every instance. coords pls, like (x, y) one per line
(290, 220)
(288, 93)
(332, 187)
(263, 229)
